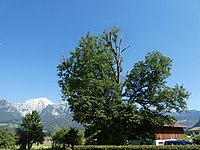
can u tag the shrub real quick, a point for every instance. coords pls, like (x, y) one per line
(67, 136)
(196, 139)
(146, 147)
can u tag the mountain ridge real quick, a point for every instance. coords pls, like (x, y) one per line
(56, 115)
(53, 115)
(32, 104)
(188, 118)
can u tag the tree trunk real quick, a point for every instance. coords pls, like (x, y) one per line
(64, 146)
(29, 146)
(23, 147)
(72, 147)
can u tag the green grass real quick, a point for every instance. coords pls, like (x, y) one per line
(45, 145)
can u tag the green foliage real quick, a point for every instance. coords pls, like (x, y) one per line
(7, 139)
(152, 91)
(115, 109)
(196, 139)
(69, 136)
(59, 137)
(73, 137)
(150, 147)
(186, 138)
(30, 131)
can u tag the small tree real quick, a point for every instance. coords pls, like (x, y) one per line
(73, 137)
(69, 136)
(59, 137)
(31, 131)
(7, 138)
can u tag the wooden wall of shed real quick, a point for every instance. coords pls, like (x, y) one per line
(170, 133)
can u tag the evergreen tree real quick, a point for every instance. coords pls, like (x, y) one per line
(31, 131)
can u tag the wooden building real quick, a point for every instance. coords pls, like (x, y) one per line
(170, 132)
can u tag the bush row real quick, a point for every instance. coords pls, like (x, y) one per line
(192, 147)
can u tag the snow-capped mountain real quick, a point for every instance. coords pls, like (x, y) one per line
(61, 109)
(41, 105)
(53, 115)
(8, 112)
(32, 104)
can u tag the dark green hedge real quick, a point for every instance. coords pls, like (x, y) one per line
(193, 147)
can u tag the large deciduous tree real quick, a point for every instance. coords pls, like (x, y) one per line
(116, 108)
(30, 131)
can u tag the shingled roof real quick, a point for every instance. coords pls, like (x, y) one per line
(195, 129)
(177, 125)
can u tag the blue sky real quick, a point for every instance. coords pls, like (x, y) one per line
(34, 34)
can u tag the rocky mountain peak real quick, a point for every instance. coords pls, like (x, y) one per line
(33, 104)
(38, 103)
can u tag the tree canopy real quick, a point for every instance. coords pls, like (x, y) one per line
(59, 137)
(7, 138)
(113, 107)
(30, 131)
(69, 136)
